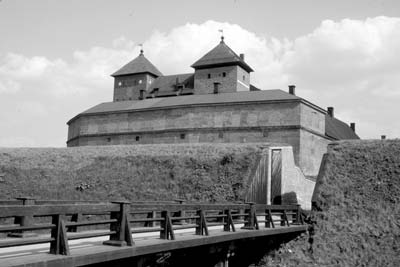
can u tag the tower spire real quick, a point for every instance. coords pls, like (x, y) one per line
(222, 35)
(141, 49)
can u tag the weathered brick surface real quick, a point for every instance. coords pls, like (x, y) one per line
(228, 84)
(234, 123)
(128, 87)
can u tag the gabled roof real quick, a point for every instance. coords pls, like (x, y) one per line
(338, 130)
(139, 65)
(168, 83)
(221, 55)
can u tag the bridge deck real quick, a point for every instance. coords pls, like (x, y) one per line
(91, 250)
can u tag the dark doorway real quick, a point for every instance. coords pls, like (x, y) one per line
(276, 176)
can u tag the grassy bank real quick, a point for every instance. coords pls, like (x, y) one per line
(358, 217)
(198, 172)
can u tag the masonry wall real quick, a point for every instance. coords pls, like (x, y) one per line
(128, 87)
(228, 84)
(236, 123)
(288, 123)
(190, 117)
(313, 142)
(312, 148)
(295, 185)
(243, 80)
(283, 136)
(312, 119)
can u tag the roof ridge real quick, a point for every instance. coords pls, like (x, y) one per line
(221, 54)
(140, 64)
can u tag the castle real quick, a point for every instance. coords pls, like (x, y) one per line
(216, 103)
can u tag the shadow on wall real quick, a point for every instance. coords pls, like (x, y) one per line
(289, 198)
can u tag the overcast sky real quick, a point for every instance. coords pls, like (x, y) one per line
(56, 57)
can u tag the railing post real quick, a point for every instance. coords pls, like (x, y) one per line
(166, 226)
(59, 245)
(228, 223)
(24, 220)
(251, 222)
(150, 215)
(180, 213)
(122, 229)
(285, 219)
(201, 223)
(268, 219)
(74, 218)
(299, 217)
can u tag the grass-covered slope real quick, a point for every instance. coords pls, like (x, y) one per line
(358, 217)
(201, 172)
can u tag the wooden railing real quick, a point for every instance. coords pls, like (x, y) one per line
(125, 218)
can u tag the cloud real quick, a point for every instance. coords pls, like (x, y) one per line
(177, 50)
(352, 52)
(353, 65)
(9, 86)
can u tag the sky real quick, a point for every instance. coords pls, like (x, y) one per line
(56, 57)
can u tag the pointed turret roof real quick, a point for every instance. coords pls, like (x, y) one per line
(221, 55)
(139, 65)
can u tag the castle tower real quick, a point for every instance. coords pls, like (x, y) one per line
(221, 71)
(132, 80)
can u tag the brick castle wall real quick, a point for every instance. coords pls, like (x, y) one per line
(263, 122)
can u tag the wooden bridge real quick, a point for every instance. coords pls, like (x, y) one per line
(71, 233)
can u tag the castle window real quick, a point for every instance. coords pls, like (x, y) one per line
(137, 138)
(183, 136)
(216, 88)
(108, 139)
(140, 81)
(119, 83)
(209, 76)
(224, 74)
(135, 82)
(244, 78)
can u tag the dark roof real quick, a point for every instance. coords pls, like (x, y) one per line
(206, 99)
(338, 130)
(253, 88)
(168, 83)
(139, 65)
(221, 55)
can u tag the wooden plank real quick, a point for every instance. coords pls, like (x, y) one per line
(102, 254)
(99, 222)
(10, 202)
(178, 207)
(44, 210)
(89, 234)
(262, 207)
(24, 241)
(26, 228)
